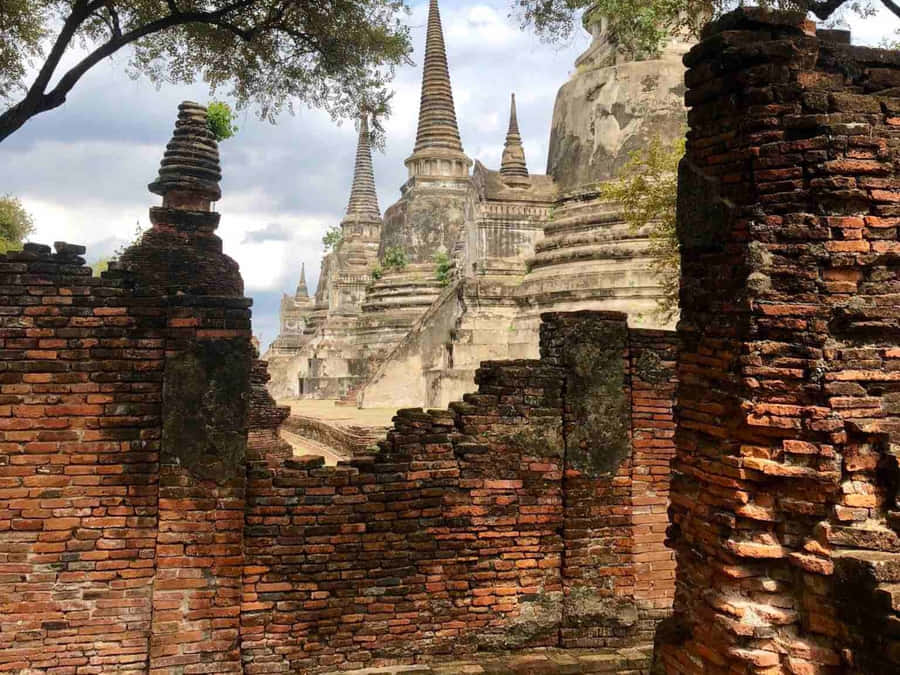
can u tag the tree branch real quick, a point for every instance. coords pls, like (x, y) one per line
(37, 101)
(114, 16)
(892, 6)
(826, 8)
(57, 95)
(80, 11)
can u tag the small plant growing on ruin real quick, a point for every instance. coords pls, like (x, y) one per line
(332, 238)
(377, 272)
(647, 189)
(101, 265)
(220, 120)
(395, 258)
(15, 223)
(443, 265)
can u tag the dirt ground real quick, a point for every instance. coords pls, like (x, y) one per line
(346, 415)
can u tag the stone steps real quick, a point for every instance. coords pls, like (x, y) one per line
(589, 237)
(413, 289)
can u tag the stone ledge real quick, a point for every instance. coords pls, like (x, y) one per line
(630, 661)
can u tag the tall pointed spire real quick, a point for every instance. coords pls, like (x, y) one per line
(437, 136)
(437, 116)
(363, 198)
(302, 291)
(512, 166)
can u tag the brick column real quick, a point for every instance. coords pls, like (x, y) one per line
(784, 491)
(616, 573)
(206, 393)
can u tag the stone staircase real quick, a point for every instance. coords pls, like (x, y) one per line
(408, 289)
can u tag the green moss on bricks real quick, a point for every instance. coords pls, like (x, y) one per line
(538, 440)
(585, 607)
(597, 414)
(650, 368)
(538, 617)
(205, 407)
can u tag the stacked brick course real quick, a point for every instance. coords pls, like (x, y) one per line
(784, 494)
(124, 425)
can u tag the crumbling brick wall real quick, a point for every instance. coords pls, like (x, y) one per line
(152, 520)
(80, 392)
(619, 388)
(123, 433)
(784, 493)
(475, 528)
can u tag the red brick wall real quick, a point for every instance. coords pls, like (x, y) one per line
(80, 392)
(619, 385)
(153, 521)
(462, 534)
(653, 357)
(784, 493)
(440, 544)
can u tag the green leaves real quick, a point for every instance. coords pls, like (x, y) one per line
(443, 266)
(219, 119)
(15, 223)
(338, 55)
(395, 258)
(647, 190)
(332, 238)
(23, 25)
(641, 28)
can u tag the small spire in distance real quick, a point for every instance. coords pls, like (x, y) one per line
(302, 291)
(512, 166)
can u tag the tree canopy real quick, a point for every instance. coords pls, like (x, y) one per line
(15, 223)
(337, 55)
(642, 26)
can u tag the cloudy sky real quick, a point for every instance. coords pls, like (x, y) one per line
(82, 170)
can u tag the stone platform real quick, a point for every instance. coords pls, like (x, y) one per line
(317, 427)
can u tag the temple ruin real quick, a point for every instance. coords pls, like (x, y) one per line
(785, 484)
(720, 499)
(520, 243)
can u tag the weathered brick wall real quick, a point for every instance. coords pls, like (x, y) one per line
(124, 432)
(80, 392)
(152, 520)
(784, 493)
(142, 487)
(653, 357)
(474, 529)
(619, 387)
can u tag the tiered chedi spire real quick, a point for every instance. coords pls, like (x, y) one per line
(190, 164)
(363, 203)
(437, 116)
(512, 166)
(437, 137)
